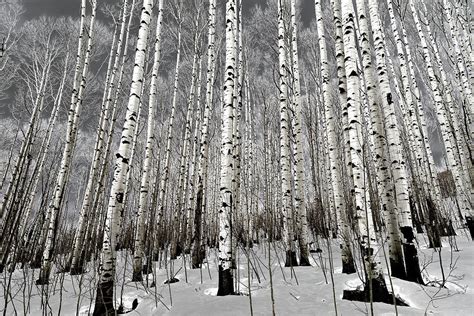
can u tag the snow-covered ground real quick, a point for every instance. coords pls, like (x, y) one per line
(303, 292)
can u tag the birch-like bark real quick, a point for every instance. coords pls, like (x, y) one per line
(397, 164)
(420, 116)
(463, 73)
(383, 145)
(285, 150)
(180, 203)
(198, 247)
(465, 162)
(226, 286)
(104, 122)
(105, 289)
(144, 187)
(71, 135)
(190, 205)
(166, 164)
(337, 184)
(366, 233)
(299, 178)
(342, 87)
(443, 120)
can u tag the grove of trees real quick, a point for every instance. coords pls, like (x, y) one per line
(167, 129)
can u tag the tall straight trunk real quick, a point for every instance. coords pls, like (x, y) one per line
(384, 156)
(226, 284)
(456, 133)
(413, 126)
(285, 150)
(461, 143)
(342, 86)
(237, 215)
(180, 216)
(299, 179)
(441, 115)
(166, 164)
(71, 135)
(94, 231)
(342, 224)
(104, 303)
(411, 83)
(375, 282)
(104, 122)
(397, 163)
(144, 187)
(198, 247)
(462, 69)
(190, 203)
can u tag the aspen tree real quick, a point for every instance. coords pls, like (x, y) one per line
(198, 250)
(285, 151)
(192, 176)
(342, 87)
(144, 187)
(104, 122)
(299, 178)
(71, 135)
(465, 162)
(343, 227)
(45, 149)
(379, 137)
(237, 218)
(225, 285)
(166, 164)
(375, 282)
(104, 303)
(443, 120)
(94, 232)
(463, 73)
(397, 164)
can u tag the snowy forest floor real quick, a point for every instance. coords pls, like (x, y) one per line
(306, 291)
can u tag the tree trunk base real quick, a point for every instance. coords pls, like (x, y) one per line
(77, 270)
(470, 225)
(147, 268)
(379, 293)
(137, 276)
(412, 263)
(397, 269)
(42, 280)
(104, 304)
(348, 267)
(197, 257)
(304, 261)
(291, 260)
(226, 284)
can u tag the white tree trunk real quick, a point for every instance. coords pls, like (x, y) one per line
(443, 120)
(225, 286)
(397, 163)
(71, 134)
(337, 184)
(104, 298)
(197, 252)
(104, 123)
(366, 233)
(285, 150)
(139, 241)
